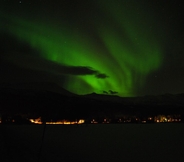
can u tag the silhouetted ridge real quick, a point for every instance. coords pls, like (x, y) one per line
(35, 86)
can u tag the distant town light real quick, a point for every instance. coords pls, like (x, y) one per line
(81, 121)
(36, 121)
(93, 121)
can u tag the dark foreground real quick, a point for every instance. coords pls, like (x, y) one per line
(92, 143)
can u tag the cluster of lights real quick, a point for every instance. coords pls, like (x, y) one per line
(156, 119)
(38, 121)
(81, 121)
(168, 119)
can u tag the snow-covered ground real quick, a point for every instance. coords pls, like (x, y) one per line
(93, 143)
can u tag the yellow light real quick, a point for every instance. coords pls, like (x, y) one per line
(31, 120)
(81, 121)
(36, 121)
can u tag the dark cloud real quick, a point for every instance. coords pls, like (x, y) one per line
(28, 61)
(79, 70)
(101, 76)
(19, 55)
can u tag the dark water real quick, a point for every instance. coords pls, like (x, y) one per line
(93, 143)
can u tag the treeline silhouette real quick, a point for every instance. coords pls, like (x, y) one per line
(50, 105)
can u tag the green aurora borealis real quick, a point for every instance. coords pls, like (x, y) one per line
(120, 50)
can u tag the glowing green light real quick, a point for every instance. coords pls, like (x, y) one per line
(126, 56)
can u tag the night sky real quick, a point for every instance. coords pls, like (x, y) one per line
(133, 47)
